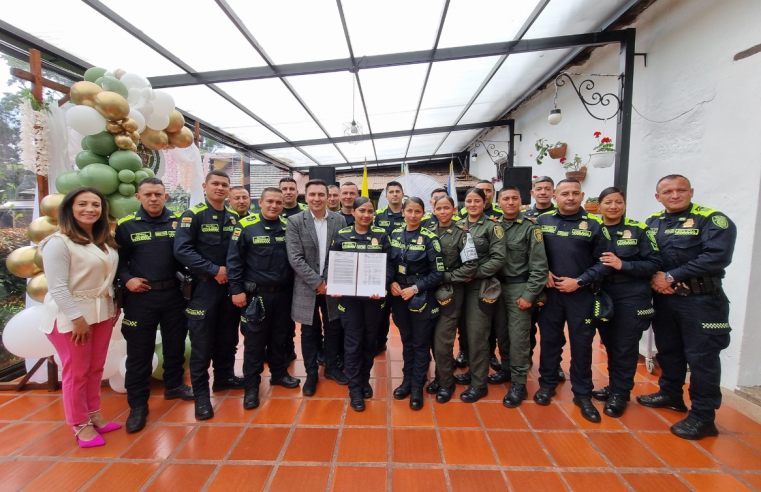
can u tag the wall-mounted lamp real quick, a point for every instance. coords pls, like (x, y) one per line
(596, 98)
(555, 117)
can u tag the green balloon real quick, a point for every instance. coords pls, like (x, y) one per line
(114, 85)
(126, 176)
(127, 189)
(101, 177)
(150, 172)
(99, 82)
(67, 181)
(125, 159)
(102, 143)
(141, 175)
(159, 372)
(87, 157)
(84, 144)
(187, 353)
(94, 73)
(121, 206)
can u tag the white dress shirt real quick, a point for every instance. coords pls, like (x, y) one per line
(321, 228)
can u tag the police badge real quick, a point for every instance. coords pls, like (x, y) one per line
(583, 225)
(688, 223)
(374, 242)
(420, 239)
(627, 234)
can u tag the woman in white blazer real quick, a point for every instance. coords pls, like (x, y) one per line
(80, 264)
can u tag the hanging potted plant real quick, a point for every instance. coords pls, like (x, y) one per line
(573, 168)
(592, 205)
(604, 153)
(556, 151)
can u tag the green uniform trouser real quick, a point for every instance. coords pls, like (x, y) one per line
(479, 328)
(443, 340)
(513, 330)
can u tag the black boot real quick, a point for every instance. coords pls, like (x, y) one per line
(659, 400)
(445, 394)
(515, 396)
(310, 386)
(367, 390)
(356, 401)
(251, 399)
(229, 383)
(588, 410)
(495, 363)
(183, 392)
(543, 396)
(499, 377)
(615, 405)
(136, 419)
(472, 394)
(204, 410)
(601, 394)
(403, 390)
(694, 429)
(461, 360)
(432, 388)
(286, 381)
(463, 379)
(416, 400)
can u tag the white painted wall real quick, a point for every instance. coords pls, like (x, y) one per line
(690, 46)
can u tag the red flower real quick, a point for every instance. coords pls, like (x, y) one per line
(606, 140)
(562, 160)
(597, 134)
(534, 177)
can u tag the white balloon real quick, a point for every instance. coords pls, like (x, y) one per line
(22, 336)
(116, 334)
(117, 383)
(111, 365)
(157, 121)
(158, 337)
(138, 116)
(133, 96)
(163, 103)
(123, 366)
(154, 362)
(146, 109)
(134, 80)
(85, 120)
(119, 346)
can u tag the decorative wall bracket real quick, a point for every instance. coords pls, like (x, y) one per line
(498, 157)
(595, 98)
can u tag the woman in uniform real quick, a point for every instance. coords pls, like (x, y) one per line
(414, 270)
(360, 316)
(630, 251)
(480, 294)
(450, 296)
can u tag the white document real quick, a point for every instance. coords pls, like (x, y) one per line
(342, 273)
(371, 275)
(469, 252)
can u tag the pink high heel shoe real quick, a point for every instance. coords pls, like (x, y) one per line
(109, 427)
(96, 441)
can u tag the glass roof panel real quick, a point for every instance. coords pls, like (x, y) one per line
(450, 87)
(425, 144)
(271, 100)
(328, 96)
(456, 141)
(391, 147)
(392, 26)
(98, 41)
(290, 156)
(209, 106)
(512, 80)
(358, 152)
(508, 17)
(314, 34)
(392, 95)
(572, 17)
(219, 45)
(325, 154)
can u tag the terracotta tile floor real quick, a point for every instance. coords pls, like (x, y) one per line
(319, 444)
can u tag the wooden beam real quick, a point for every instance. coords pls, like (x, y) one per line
(197, 134)
(23, 74)
(35, 67)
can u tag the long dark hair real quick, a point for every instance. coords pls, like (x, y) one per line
(414, 199)
(101, 231)
(609, 191)
(477, 191)
(447, 198)
(359, 201)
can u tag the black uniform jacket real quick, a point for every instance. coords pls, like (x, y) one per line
(257, 253)
(533, 212)
(388, 220)
(147, 246)
(420, 255)
(634, 243)
(203, 237)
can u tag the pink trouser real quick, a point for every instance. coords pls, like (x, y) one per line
(82, 370)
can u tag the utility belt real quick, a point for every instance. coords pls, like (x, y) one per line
(164, 284)
(254, 289)
(698, 286)
(408, 279)
(159, 285)
(518, 279)
(617, 278)
(186, 284)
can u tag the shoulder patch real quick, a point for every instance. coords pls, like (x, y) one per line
(701, 210)
(657, 215)
(381, 210)
(595, 218)
(250, 220)
(398, 229)
(282, 219)
(198, 208)
(720, 221)
(531, 219)
(376, 229)
(344, 230)
(538, 235)
(125, 219)
(303, 206)
(178, 215)
(499, 232)
(427, 233)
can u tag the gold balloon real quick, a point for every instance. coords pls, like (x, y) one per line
(50, 205)
(21, 262)
(119, 72)
(38, 259)
(40, 228)
(154, 139)
(170, 147)
(135, 137)
(133, 148)
(176, 122)
(129, 125)
(111, 105)
(84, 92)
(182, 139)
(113, 127)
(37, 288)
(123, 142)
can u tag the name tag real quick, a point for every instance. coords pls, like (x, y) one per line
(140, 236)
(261, 239)
(549, 229)
(228, 229)
(581, 232)
(626, 242)
(562, 233)
(348, 245)
(280, 239)
(416, 247)
(384, 223)
(209, 227)
(686, 232)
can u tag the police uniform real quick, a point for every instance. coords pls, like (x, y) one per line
(456, 273)
(201, 245)
(533, 213)
(415, 260)
(287, 212)
(258, 266)
(691, 327)
(387, 220)
(487, 236)
(146, 251)
(349, 218)
(361, 317)
(629, 289)
(493, 211)
(570, 242)
(523, 276)
(430, 221)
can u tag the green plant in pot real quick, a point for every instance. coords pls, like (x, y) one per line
(574, 168)
(556, 150)
(592, 205)
(604, 153)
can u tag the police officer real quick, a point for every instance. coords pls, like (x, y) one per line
(430, 220)
(261, 283)
(290, 196)
(414, 269)
(522, 277)
(487, 235)
(349, 193)
(450, 295)
(201, 245)
(691, 323)
(571, 238)
(491, 209)
(628, 248)
(334, 199)
(389, 218)
(147, 270)
(240, 201)
(361, 317)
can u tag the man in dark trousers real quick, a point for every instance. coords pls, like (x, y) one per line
(201, 246)
(691, 323)
(261, 283)
(571, 237)
(147, 270)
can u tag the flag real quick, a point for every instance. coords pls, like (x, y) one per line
(451, 188)
(406, 184)
(365, 191)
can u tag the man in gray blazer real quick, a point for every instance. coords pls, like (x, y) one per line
(308, 239)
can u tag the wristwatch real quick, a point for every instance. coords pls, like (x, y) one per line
(580, 282)
(669, 278)
(414, 289)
